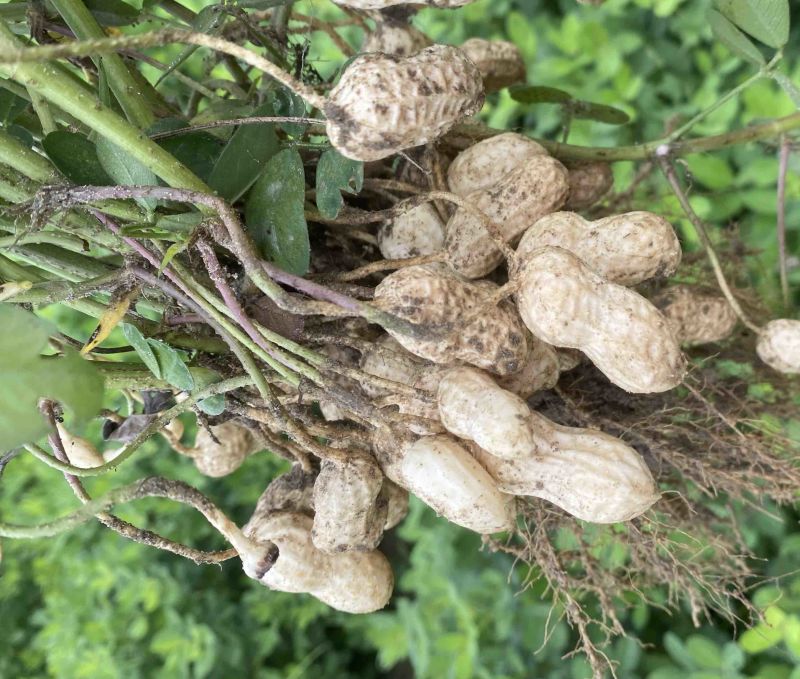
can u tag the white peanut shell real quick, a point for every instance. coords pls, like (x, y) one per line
(384, 104)
(779, 345)
(541, 369)
(499, 61)
(626, 249)
(236, 444)
(696, 317)
(472, 406)
(419, 231)
(566, 304)
(591, 475)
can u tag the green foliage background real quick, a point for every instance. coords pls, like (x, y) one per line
(89, 604)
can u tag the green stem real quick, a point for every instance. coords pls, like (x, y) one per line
(25, 160)
(157, 424)
(42, 111)
(83, 104)
(119, 375)
(84, 26)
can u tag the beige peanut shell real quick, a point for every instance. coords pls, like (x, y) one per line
(472, 406)
(437, 298)
(779, 345)
(80, 452)
(349, 515)
(566, 304)
(353, 582)
(541, 370)
(696, 317)
(289, 492)
(588, 183)
(398, 39)
(419, 231)
(384, 104)
(516, 201)
(236, 444)
(589, 474)
(499, 61)
(396, 499)
(626, 249)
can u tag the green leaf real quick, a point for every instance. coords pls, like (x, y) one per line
(274, 213)
(705, 653)
(171, 365)
(213, 405)
(335, 174)
(170, 254)
(27, 376)
(112, 12)
(10, 106)
(124, 169)
(736, 41)
(538, 94)
(244, 157)
(765, 20)
(789, 87)
(196, 150)
(287, 103)
(600, 112)
(183, 222)
(76, 158)
(143, 349)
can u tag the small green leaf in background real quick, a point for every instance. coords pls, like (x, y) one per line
(27, 376)
(538, 94)
(736, 41)
(213, 405)
(143, 349)
(274, 213)
(244, 157)
(600, 113)
(125, 170)
(171, 365)
(765, 20)
(335, 174)
(76, 158)
(112, 12)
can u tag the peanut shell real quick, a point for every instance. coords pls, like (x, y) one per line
(500, 62)
(779, 345)
(696, 317)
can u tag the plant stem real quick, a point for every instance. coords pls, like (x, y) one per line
(700, 229)
(83, 104)
(42, 111)
(125, 89)
(25, 160)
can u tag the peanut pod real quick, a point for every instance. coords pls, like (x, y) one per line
(419, 231)
(779, 345)
(500, 62)
(696, 317)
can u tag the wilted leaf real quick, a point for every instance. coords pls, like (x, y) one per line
(274, 213)
(736, 41)
(335, 174)
(536, 94)
(27, 376)
(765, 20)
(117, 308)
(76, 158)
(244, 157)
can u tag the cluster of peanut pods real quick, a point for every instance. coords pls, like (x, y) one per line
(470, 445)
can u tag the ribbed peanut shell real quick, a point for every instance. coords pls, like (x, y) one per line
(589, 474)
(389, 360)
(519, 199)
(779, 345)
(442, 474)
(353, 582)
(500, 62)
(384, 104)
(540, 370)
(472, 406)
(588, 183)
(484, 164)
(566, 304)
(434, 296)
(419, 231)
(348, 514)
(401, 40)
(696, 317)
(626, 249)
(289, 492)
(236, 444)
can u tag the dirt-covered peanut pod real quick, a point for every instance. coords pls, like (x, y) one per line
(384, 104)
(349, 514)
(779, 345)
(442, 474)
(518, 184)
(588, 183)
(331, 410)
(289, 492)
(396, 38)
(589, 474)
(499, 61)
(472, 406)
(566, 304)
(696, 317)
(396, 499)
(353, 582)
(435, 297)
(541, 370)
(625, 249)
(419, 231)
(382, 4)
(233, 445)
(80, 452)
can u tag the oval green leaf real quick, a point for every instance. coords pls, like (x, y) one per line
(274, 213)
(600, 112)
(538, 94)
(335, 174)
(765, 20)
(76, 158)
(736, 41)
